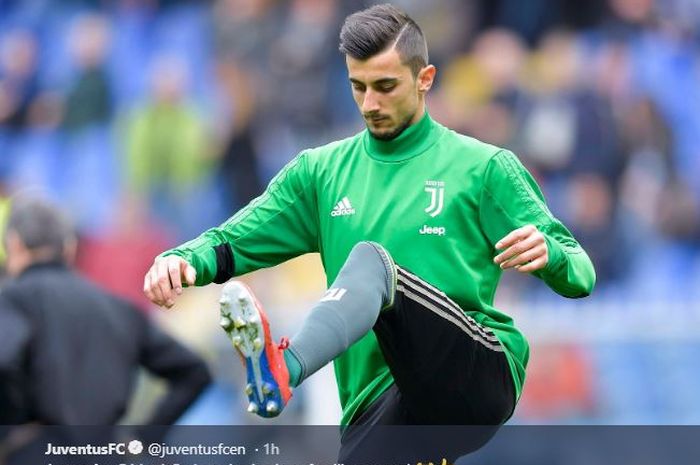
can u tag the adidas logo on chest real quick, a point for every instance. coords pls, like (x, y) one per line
(343, 208)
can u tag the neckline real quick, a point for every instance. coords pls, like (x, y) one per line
(415, 140)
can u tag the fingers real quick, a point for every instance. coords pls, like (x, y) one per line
(188, 272)
(526, 257)
(163, 282)
(150, 286)
(534, 265)
(517, 248)
(174, 275)
(516, 236)
(147, 290)
(525, 250)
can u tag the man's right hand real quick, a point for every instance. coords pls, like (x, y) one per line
(163, 282)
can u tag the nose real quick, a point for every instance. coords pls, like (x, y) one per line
(370, 103)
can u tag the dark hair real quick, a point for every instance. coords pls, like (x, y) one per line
(371, 31)
(39, 224)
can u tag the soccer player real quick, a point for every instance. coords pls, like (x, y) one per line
(414, 224)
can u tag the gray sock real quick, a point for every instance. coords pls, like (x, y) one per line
(365, 285)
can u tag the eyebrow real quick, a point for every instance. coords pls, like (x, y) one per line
(377, 82)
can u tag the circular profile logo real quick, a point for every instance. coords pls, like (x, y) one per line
(135, 447)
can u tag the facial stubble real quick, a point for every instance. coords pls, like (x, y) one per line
(395, 133)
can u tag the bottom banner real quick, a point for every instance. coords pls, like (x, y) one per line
(321, 445)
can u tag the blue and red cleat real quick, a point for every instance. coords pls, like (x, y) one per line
(245, 323)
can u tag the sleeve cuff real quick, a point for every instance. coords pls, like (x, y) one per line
(225, 263)
(554, 255)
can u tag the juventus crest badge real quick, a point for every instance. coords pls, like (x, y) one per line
(436, 189)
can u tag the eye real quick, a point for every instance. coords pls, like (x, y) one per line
(358, 87)
(386, 88)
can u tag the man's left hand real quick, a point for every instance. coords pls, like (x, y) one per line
(525, 250)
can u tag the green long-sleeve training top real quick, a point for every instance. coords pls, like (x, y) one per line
(437, 200)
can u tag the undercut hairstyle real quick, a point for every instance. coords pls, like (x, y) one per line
(371, 31)
(40, 225)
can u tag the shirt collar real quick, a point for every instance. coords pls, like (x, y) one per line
(415, 140)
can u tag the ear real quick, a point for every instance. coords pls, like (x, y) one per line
(425, 78)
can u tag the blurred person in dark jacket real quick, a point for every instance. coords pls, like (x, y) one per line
(89, 99)
(69, 352)
(18, 78)
(243, 31)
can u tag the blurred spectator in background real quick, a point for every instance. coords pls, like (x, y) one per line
(655, 192)
(18, 78)
(265, 60)
(483, 95)
(69, 353)
(569, 137)
(167, 153)
(629, 17)
(450, 24)
(132, 229)
(560, 379)
(89, 99)
(531, 19)
(299, 63)
(243, 30)
(4, 214)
